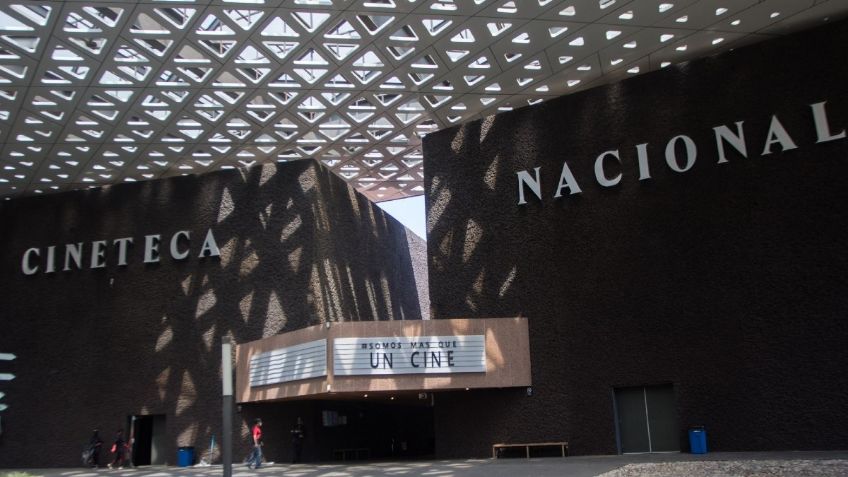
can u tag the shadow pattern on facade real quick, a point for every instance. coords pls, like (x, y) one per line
(725, 280)
(298, 247)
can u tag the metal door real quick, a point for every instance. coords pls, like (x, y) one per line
(647, 419)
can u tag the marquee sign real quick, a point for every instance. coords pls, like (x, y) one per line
(302, 361)
(409, 355)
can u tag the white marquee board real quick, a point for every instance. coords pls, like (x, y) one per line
(302, 361)
(409, 355)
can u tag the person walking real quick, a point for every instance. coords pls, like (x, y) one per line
(254, 460)
(118, 448)
(94, 445)
(298, 435)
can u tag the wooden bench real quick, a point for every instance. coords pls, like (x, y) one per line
(499, 447)
(351, 454)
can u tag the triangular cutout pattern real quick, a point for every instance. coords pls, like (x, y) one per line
(175, 87)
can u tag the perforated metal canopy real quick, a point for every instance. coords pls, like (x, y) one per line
(97, 93)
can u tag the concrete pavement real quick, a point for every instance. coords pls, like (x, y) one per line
(581, 466)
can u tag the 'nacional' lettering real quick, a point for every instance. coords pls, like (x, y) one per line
(822, 127)
(777, 134)
(566, 180)
(599, 169)
(642, 157)
(671, 153)
(533, 184)
(681, 153)
(723, 134)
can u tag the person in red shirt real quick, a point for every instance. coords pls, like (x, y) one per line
(255, 458)
(118, 448)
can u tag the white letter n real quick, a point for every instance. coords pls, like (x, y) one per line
(526, 179)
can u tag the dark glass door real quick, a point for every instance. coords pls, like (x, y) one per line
(647, 419)
(662, 419)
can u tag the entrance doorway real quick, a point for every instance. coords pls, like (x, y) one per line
(382, 427)
(367, 426)
(148, 447)
(646, 419)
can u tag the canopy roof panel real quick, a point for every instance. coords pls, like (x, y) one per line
(99, 93)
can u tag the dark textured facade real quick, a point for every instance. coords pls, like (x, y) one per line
(726, 281)
(703, 254)
(298, 247)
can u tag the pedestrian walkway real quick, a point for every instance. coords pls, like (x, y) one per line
(714, 464)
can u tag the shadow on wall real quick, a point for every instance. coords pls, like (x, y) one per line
(462, 248)
(467, 247)
(298, 247)
(642, 282)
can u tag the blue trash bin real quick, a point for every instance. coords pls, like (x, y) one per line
(698, 440)
(185, 456)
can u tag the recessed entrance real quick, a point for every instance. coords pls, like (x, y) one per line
(646, 419)
(377, 428)
(395, 426)
(148, 433)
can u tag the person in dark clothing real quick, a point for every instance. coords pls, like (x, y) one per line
(94, 445)
(298, 435)
(118, 449)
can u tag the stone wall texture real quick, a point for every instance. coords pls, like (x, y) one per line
(298, 247)
(727, 280)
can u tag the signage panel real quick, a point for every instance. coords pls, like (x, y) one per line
(302, 361)
(409, 355)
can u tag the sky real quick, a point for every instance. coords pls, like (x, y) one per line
(410, 212)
